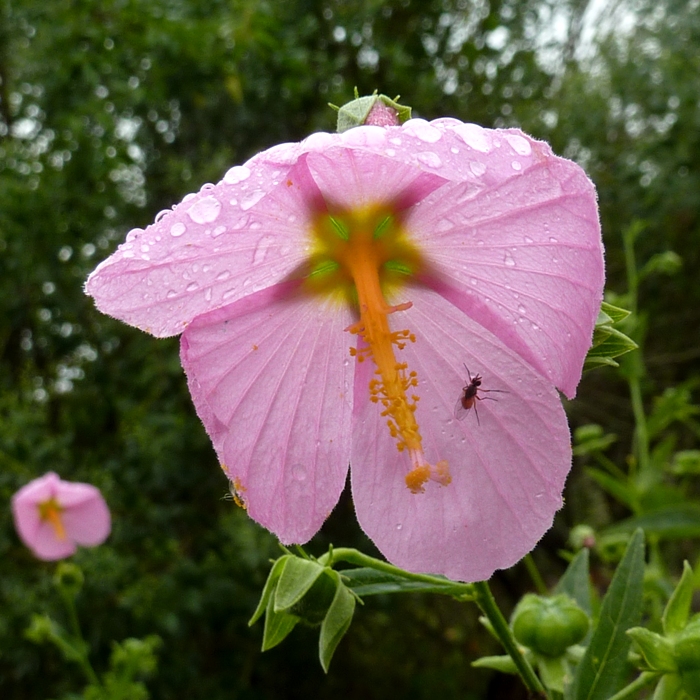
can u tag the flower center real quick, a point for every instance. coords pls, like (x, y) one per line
(363, 255)
(50, 510)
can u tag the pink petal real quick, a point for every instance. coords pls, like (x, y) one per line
(88, 523)
(508, 471)
(524, 259)
(270, 377)
(218, 246)
(45, 545)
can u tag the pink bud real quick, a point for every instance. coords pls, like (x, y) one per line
(53, 516)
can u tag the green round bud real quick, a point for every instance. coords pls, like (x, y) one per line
(686, 652)
(69, 577)
(549, 626)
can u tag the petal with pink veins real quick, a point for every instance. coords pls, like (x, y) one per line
(524, 259)
(271, 378)
(508, 469)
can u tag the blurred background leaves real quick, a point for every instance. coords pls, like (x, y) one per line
(111, 111)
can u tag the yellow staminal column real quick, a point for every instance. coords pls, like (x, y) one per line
(51, 511)
(363, 256)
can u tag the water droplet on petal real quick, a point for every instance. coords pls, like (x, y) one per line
(553, 240)
(508, 259)
(205, 210)
(251, 199)
(474, 136)
(472, 280)
(516, 165)
(521, 309)
(432, 160)
(218, 231)
(519, 144)
(236, 174)
(192, 286)
(477, 168)
(161, 214)
(528, 239)
(422, 130)
(223, 275)
(298, 472)
(207, 294)
(261, 249)
(171, 294)
(178, 229)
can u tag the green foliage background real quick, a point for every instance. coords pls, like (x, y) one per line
(111, 111)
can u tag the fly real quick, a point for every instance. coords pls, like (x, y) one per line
(470, 395)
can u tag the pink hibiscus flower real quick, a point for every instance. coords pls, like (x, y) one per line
(330, 294)
(53, 516)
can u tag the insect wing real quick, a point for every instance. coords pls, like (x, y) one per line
(460, 412)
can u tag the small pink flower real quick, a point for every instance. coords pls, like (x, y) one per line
(331, 293)
(53, 516)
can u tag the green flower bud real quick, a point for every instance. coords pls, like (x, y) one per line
(373, 109)
(549, 626)
(686, 652)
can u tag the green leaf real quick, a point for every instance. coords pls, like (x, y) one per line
(277, 626)
(575, 582)
(367, 581)
(615, 313)
(671, 522)
(656, 650)
(613, 344)
(555, 673)
(296, 579)
(604, 662)
(675, 616)
(504, 664)
(336, 624)
(269, 588)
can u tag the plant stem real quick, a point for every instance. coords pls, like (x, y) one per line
(534, 572)
(83, 661)
(352, 556)
(487, 603)
(642, 681)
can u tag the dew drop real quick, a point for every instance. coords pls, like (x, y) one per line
(207, 294)
(399, 526)
(236, 174)
(422, 130)
(519, 144)
(432, 160)
(477, 168)
(178, 229)
(218, 231)
(171, 294)
(528, 239)
(298, 472)
(205, 210)
(521, 309)
(472, 280)
(224, 275)
(508, 259)
(474, 136)
(251, 199)
(261, 249)
(553, 240)
(454, 150)
(516, 165)
(161, 214)
(229, 293)
(192, 286)
(390, 152)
